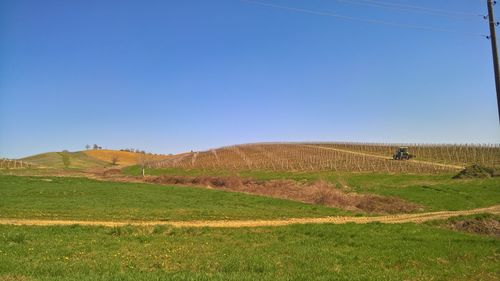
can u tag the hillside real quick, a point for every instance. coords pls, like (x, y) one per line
(123, 158)
(449, 154)
(346, 157)
(65, 160)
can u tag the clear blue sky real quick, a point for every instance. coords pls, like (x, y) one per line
(170, 76)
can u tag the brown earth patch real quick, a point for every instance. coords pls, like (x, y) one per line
(479, 225)
(111, 172)
(319, 192)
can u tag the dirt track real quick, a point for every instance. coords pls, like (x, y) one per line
(387, 158)
(392, 219)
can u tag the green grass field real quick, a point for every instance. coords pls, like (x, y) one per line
(374, 251)
(80, 198)
(433, 192)
(302, 252)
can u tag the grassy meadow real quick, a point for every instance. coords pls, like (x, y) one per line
(429, 251)
(81, 198)
(433, 192)
(299, 252)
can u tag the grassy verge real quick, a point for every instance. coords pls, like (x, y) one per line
(302, 252)
(434, 192)
(80, 198)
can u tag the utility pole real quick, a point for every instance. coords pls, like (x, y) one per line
(493, 39)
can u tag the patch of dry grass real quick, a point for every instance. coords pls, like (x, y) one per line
(485, 225)
(319, 192)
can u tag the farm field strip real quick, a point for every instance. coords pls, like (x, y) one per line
(388, 158)
(332, 157)
(392, 219)
(454, 154)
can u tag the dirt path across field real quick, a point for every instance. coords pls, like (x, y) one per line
(392, 219)
(386, 158)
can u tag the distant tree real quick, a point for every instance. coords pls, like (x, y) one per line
(95, 146)
(87, 147)
(114, 159)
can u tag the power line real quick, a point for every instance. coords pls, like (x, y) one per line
(412, 7)
(365, 20)
(421, 10)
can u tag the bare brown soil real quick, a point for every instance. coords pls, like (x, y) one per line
(319, 192)
(388, 219)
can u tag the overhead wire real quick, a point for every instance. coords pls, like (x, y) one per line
(413, 7)
(456, 15)
(365, 20)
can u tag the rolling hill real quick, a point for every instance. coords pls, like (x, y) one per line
(123, 158)
(65, 160)
(90, 159)
(345, 157)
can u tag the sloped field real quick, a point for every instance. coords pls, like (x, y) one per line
(65, 160)
(122, 157)
(450, 154)
(334, 157)
(89, 159)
